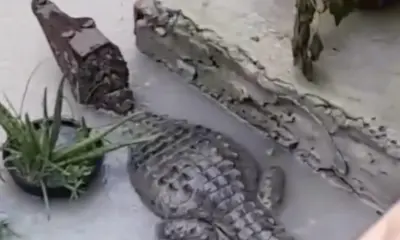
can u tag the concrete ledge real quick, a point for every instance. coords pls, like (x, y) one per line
(354, 153)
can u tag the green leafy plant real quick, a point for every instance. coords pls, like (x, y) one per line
(37, 158)
(306, 42)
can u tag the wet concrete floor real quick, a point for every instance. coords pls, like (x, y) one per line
(313, 208)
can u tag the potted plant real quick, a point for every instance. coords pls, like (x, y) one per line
(42, 164)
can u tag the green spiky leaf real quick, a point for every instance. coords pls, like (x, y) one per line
(55, 130)
(44, 105)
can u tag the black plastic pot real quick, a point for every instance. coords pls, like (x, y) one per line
(52, 192)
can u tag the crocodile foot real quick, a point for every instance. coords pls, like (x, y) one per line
(272, 188)
(186, 229)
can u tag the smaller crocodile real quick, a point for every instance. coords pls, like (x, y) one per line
(203, 184)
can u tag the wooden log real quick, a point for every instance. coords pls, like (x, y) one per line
(93, 65)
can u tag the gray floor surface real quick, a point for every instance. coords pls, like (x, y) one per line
(313, 208)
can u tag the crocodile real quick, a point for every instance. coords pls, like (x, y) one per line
(93, 65)
(316, 132)
(202, 183)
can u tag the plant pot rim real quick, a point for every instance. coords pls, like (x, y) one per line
(53, 191)
(66, 120)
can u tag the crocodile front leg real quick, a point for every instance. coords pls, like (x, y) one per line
(271, 191)
(186, 229)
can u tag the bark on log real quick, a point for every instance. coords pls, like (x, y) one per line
(93, 65)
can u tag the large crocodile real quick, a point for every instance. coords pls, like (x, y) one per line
(202, 183)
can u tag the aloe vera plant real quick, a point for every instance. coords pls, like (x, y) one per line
(34, 155)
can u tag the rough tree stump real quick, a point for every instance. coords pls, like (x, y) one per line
(93, 65)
